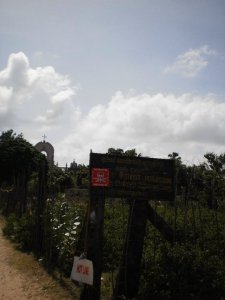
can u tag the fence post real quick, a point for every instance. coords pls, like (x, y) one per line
(94, 238)
(41, 203)
(129, 272)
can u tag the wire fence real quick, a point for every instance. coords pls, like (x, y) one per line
(183, 247)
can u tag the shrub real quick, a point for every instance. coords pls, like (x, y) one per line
(20, 231)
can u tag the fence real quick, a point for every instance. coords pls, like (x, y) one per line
(184, 242)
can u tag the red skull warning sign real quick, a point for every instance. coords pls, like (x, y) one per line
(100, 177)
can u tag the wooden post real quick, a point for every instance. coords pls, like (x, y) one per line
(39, 210)
(94, 240)
(160, 224)
(129, 273)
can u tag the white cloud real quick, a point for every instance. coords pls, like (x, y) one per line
(39, 100)
(155, 125)
(62, 96)
(190, 63)
(6, 94)
(15, 73)
(33, 98)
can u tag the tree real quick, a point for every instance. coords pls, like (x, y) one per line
(215, 162)
(18, 159)
(132, 152)
(17, 155)
(214, 181)
(58, 180)
(113, 151)
(174, 155)
(120, 152)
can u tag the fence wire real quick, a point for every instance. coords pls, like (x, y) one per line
(184, 245)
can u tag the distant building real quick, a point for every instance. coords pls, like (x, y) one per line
(48, 149)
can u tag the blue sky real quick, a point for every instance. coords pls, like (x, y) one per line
(97, 74)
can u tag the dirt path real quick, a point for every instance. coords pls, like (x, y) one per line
(22, 278)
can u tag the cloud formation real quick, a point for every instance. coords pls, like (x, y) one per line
(190, 63)
(39, 100)
(32, 96)
(155, 125)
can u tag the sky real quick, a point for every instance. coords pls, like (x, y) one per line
(96, 74)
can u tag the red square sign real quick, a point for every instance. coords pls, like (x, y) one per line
(100, 177)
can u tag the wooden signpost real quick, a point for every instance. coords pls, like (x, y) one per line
(138, 180)
(133, 177)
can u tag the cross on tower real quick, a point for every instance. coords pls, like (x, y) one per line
(44, 136)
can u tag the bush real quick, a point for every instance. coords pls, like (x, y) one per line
(115, 226)
(182, 271)
(20, 231)
(63, 223)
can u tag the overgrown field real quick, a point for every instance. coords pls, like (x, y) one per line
(46, 214)
(192, 267)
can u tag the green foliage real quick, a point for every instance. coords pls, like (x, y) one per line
(194, 268)
(215, 162)
(20, 231)
(113, 151)
(82, 177)
(174, 155)
(16, 155)
(182, 272)
(58, 180)
(121, 152)
(63, 221)
(115, 224)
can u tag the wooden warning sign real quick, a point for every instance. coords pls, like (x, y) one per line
(133, 177)
(100, 177)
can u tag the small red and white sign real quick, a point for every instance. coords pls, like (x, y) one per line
(100, 177)
(82, 270)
